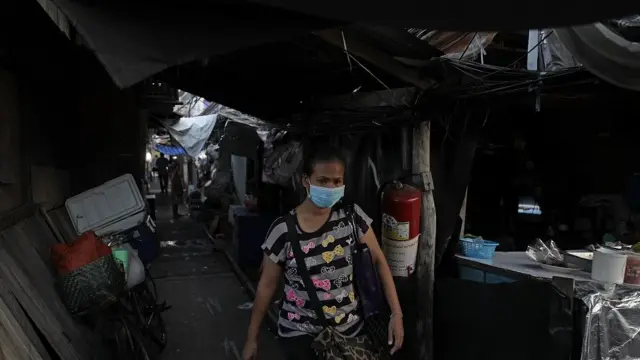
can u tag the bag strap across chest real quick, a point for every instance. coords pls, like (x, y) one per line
(303, 271)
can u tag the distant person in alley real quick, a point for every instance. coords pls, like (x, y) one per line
(162, 166)
(177, 188)
(321, 315)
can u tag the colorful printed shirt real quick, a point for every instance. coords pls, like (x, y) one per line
(328, 259)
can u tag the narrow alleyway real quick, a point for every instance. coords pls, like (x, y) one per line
(204, 322)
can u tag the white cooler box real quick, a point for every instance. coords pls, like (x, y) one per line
(116, 207)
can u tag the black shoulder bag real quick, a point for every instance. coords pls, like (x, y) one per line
(329, 344)
(365, 273)
(369, 289)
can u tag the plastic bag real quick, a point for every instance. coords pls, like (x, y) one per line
(85, 250)
(134, 269)
(548, 253)
(283, 162)
(218, 185)
(135, 273)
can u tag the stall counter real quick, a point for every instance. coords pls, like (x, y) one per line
(510, 267)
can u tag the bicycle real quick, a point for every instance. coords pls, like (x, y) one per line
(143, 305)
(126, 338)
(139, 315)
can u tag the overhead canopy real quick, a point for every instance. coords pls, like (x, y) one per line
(470, 15)
(137, 39)
(605, 53)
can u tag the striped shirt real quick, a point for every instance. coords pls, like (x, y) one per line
(328, 259)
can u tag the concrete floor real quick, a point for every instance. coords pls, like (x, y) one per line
(205, 322)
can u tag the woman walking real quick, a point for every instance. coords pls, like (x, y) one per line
(323, 233)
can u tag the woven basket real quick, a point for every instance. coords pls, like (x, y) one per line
(92, 287)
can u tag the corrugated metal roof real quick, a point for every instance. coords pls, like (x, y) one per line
(459, 45)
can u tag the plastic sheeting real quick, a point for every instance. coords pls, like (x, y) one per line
(456, 45)
(604, 53)
(219, 190)
(242, 118)
(555, 55)
(474, 48)
(239, 139)
(628, 27)
(612, 321)
(193, 132)
(192, 105)
(282, 164)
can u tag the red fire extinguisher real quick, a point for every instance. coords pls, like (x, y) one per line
(401, 227)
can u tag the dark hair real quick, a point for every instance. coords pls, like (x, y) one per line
(322, 154)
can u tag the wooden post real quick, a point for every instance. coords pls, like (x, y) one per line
(421, 166)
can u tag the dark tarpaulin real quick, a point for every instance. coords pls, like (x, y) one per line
(606, 54)
(135, 40)
(471, 15)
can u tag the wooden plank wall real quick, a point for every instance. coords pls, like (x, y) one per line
(27, 273)
(18, 338)
(15, 344)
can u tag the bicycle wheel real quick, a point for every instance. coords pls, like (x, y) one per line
(136, 343)
(149, 314)
(127, 340)
(149, 280)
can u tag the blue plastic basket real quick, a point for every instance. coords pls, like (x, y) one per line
(478, 249)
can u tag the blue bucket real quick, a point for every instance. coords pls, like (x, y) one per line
(478, 249)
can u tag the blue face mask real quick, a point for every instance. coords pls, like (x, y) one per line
(324, 197)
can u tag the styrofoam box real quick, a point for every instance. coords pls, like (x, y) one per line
(106, 204)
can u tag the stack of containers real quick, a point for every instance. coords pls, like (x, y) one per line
(116, 208)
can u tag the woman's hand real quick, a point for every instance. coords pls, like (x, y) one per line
(396, 332)
(250, 351)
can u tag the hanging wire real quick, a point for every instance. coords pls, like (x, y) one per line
(190, 103)
(368, 71)
(346, 51)
(525, 87)
(349, 56)
(527, 54)
(512, 80)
